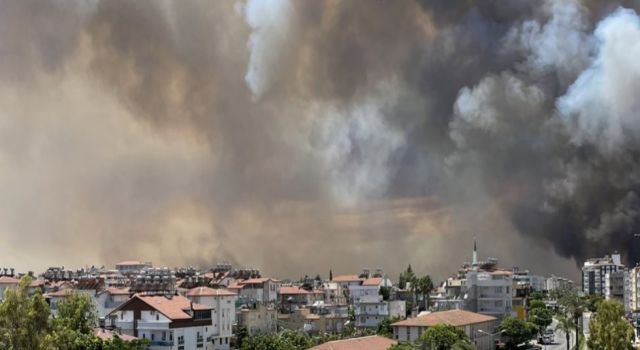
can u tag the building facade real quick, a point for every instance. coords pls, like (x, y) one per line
(594, 273)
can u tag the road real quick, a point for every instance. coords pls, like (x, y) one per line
(560, 339)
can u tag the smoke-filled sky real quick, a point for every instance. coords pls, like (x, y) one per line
(298, 136)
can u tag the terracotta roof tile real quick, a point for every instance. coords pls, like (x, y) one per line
(450, 317)
(8, 280)
(105, 334)
(292, 290)
(374, 342)
(374, 281)
(347, 278)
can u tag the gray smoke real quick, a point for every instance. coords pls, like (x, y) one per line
(298, 136)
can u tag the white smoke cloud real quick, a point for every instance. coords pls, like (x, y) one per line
(561, 44)
(270, 21)
(601, 107)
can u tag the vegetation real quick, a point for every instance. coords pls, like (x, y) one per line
(444, 337)
(384, 327)
(26, 324)
(567, 325)
(516, 331)
(609, 329)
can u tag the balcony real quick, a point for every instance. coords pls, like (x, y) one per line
(161, 343)
(153, 325)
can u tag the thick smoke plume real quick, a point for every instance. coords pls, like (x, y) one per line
(298, 136)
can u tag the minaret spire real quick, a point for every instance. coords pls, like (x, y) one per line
(475, 252)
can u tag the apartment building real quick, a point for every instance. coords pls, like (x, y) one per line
(371, 309)
(489, 293)
(258, 318)
(168, 322)
(262, 290)
(222, 302)
(594, 273)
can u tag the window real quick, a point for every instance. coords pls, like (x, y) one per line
(153, 337)
(157, 317)
(226, 340)
(164, 336)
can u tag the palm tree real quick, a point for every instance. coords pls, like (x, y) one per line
(566, 324)
(424, 285)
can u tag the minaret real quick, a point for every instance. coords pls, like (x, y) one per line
(475, 252)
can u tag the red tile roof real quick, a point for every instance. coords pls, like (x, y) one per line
(8, 280)
(257, 280)
(173, 308)
(374, 281)
(105, 334)
(347, 278)
(374, 342)
(61, 293)
(209, 292)
(292, 290)
(450, 317)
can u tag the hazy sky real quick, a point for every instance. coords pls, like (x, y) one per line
(298, 136)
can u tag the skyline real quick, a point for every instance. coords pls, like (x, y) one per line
(290, 135)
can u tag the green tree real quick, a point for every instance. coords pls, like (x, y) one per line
(406, 276)
(443, 337)
(402, 346)
(536, 295)
(384, 327)
(572, 305)
(385, 292)
(516, 331)
(609, 330)
(23, 319)
(73, 327)
(541, 317)
(537, 304)
(297, 339)
(424, 285)
(566, 325)
(116, 343)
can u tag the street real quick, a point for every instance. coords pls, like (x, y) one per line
(560, 339)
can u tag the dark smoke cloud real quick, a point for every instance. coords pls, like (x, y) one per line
(298, 136)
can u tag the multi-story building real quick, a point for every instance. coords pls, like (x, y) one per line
(489, 293)
(258, 318)
(633, 290)
(168, 322)
(304, 319)
(222, 302)
(594, 273)
(615, 284)
(262, 290)
(479, 328)
(371, 309)
(109, 299)
(132, 267)
(555, 282)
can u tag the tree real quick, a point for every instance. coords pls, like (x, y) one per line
(402, 346)
(23, 319)
(296, 340)
(536, 295)
(572, 305)
(406, 277)
(116, 343)
(566, 325)
(424, 285)
(385, 292)
(384, 327)
(516, 331)
(609, 329)
(74, 325)
(443, 337)
(537, 304)
(541, 317)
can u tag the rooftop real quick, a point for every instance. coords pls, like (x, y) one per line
(209, 292)
(451, 317)
(374, 342)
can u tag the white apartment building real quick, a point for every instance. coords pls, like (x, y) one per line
(132, 266)
(371, 309)
(594, 273)
(168, 322)
(109, 299)
(222, 302)
(555, 282)
(633, 290)
(489, 293)
(262, 290)
(7, 282)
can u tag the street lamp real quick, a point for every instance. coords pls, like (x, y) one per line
(490, 334)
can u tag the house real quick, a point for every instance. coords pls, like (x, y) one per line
(477, 327)
(304, 319)
(109, 299)
(262, 290)
(371, 309)
(223, 304)
(258, 318)
(374, 342)
(7, 282)
(168, 322)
